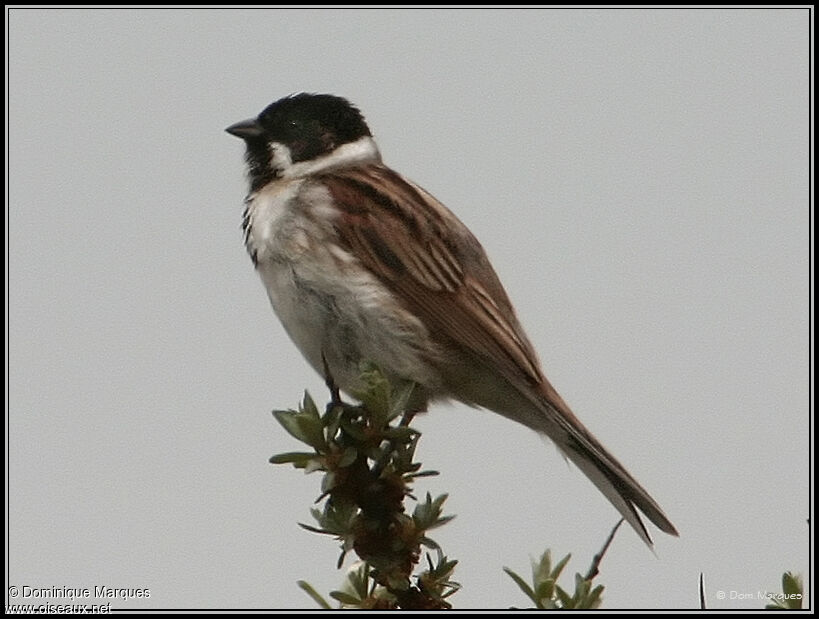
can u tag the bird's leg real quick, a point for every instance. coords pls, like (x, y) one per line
(416, 404)
(335, 396)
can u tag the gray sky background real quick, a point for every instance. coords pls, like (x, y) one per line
(638, 178)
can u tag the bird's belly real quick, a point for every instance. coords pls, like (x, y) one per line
(344, 319)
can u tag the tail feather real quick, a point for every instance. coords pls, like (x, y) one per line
(603, 469)
(613, 494)
(541, 408)
(622, 491)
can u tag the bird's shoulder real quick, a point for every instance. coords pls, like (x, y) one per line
(402, 224)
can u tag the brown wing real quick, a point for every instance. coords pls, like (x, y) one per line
(432, 262)
(422, 252)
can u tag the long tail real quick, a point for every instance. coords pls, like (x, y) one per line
(603, 469)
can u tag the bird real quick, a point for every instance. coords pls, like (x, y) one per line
(361, 264)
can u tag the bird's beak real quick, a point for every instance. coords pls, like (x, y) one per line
(246, 129)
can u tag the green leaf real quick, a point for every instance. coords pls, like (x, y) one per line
(581, 587)
(309, 407)
(299, 459)
(543, 568)
(317, 515)
(353, 429)
(304, 427)
(791, 584)
(337, 517)
(555, 574)
(421, 474)
(593, 599)
(545, 589)
(792, 588)
(399, 399)
(288, 421)
(426, 514)
(376, 396)
(440, 521)
(317, 598)
(401, 433)
(313, 529)
(312, 428)
(524, 586)
(345, 598)
(565, 599)
(348, 457)
(358, 579)
(439, 501)
(444, 567)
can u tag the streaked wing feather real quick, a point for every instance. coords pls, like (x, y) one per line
(462, 299)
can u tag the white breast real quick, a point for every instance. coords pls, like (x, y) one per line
(329, 305)
(265, 211)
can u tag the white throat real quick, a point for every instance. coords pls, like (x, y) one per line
(363, 150)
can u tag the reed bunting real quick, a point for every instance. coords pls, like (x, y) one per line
(361, 264)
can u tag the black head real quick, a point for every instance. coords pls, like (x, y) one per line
(300, 127)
